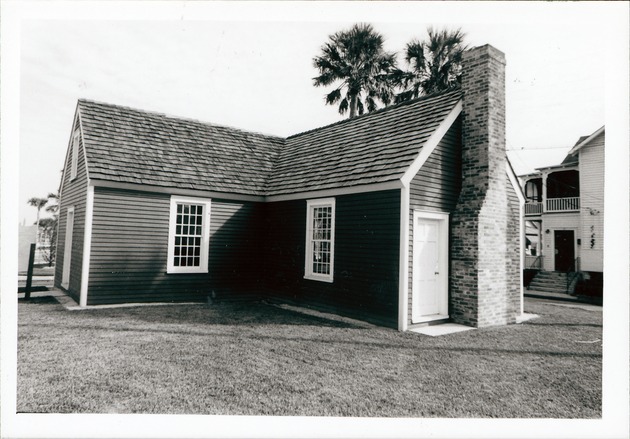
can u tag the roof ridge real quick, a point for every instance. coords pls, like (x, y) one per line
(380, 110)
(180, 118)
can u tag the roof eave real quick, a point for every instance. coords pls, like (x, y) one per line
(580, 145)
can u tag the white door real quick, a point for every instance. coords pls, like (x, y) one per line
(429, 270)
(67, 250)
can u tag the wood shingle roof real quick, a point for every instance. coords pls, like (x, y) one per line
(133, 146)
(373, 148)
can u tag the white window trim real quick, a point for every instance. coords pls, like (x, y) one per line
(205, 238)
(74, 164)
(308, 262)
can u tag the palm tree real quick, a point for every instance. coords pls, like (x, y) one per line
(53, 208)
(355, 61)
(38, 203)
(434, 64)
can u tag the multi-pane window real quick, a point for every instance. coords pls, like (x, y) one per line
(189, 235)
(320, 233)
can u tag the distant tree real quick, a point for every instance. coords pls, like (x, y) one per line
(48, 239)
(50, 229)
(53, 208)
(433, 65)
(39, 203)
(356, 63)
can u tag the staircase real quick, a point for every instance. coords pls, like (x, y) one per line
(551, 282)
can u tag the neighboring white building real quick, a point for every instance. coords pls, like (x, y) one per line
(564, 212)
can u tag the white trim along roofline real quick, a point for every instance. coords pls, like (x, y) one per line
(515, 183)
(174, 191)
(65, 160)
(374, 187)
(587, 140)
(431, 143)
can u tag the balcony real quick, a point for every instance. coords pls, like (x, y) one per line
(533, 208)
(567, 204)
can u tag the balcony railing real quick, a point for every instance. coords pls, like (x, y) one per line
(534, 262)
(563, 204)
(533, 208)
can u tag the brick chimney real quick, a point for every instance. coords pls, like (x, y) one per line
(484, 284)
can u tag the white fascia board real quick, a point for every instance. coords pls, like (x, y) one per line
(393, 184)
(175, 191)
(65, 160)
(87, 245)
(374, 187)
(430, 145)
(403, 262)
(549, 169)
(515, 182)
(82, 140)
(586, 141)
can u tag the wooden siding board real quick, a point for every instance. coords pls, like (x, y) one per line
(74, 194)
(592, 168)
(130, 245)
(435, 188)
(367, 241)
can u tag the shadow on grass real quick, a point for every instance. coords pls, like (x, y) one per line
(412, 344)
(201, 315)
(44, 300)
(591, 325)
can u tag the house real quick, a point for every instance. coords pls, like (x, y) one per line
(564, 213)
(405, 216)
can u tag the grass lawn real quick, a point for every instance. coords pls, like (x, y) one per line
(256, 359)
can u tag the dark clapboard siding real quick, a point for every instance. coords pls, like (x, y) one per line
(436, 186)
(130, 245)
(367, 230)
(73, 193)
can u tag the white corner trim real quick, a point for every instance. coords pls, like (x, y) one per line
(87, 246)
(521, 252)
(403, 263)
(430, 145)
(67, 249)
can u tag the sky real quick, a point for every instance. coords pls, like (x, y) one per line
(256, 73)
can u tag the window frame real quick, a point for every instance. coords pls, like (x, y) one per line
(308, 253)
(205, 236)
(74, 157)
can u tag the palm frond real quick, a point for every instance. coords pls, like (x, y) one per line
(343, 106)
(354, 60)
